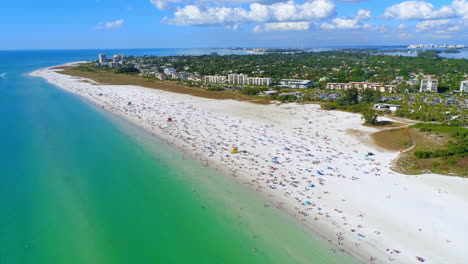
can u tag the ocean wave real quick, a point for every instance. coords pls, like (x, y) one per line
(3, 75)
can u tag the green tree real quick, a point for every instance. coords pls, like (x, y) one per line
(370, 96)
(370, 117)
(350, 97)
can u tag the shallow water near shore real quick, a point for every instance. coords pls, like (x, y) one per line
(79, 185)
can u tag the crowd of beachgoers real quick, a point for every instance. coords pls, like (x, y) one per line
(305, 160)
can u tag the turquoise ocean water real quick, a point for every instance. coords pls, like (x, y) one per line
(78, 185)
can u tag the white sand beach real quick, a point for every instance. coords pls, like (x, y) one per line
(302, 159)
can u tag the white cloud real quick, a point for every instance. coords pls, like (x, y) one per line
(290, 11)
(109, 25)
(402, 27)
(232, 27)
(287, 26)
(441, 26)
(257, 29)
(353, 22)
(115, 24)
(421, 10)
(164, 4)
(433, 25)
(364, 14)
(405, 36)
(454, 28)
(173, 4)
(443, 36)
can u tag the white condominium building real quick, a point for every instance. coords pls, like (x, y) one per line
(259, 81)
(464, 86)
(102, 59)
(428, 84)
(237, 78)
(214, 79)
(361, 86)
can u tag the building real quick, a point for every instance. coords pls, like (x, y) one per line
(214, 79)
(295, 84)
(361, 86)
(464, 86)
(269, 93)
(169, 71)
(102, 59)
(160, 76)
(428, 84)
(117, 60)
(259, 81)
(237, 78)
(383, 107)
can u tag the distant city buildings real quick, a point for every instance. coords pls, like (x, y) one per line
(361, 86)
(435, 46)
(428, 84)
(295, 84)
(464, 86)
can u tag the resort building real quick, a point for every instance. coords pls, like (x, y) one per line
(428, 84)
(237, 78)
(259, 81)
(214, 79)
(464, 86)
(102, 59)
(117, 61)
(295, 84)
(361, 86)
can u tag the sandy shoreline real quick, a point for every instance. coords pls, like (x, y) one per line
(301, 158)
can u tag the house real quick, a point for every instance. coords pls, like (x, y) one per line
(160, 76)
(169, 71)
(269, 93)
(382, 107)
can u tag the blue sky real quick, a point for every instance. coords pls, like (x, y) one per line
(86, 24)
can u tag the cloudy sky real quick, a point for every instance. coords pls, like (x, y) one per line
(52, 24)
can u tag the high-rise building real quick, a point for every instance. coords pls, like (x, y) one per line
(428, 84)
(464, 86)
(214, 79)
(259, 81)
(102, 59)
(237, 78)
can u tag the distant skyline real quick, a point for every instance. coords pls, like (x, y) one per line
(89, 24)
